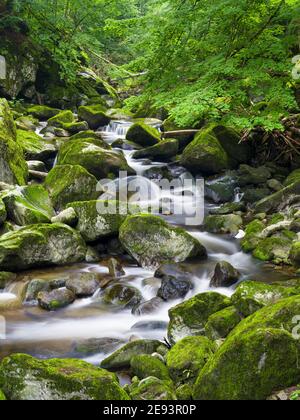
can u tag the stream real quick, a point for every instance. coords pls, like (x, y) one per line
(55, 334)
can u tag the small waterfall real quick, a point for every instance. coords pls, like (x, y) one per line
(238, 195)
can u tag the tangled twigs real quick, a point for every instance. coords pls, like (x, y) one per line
(278, 146)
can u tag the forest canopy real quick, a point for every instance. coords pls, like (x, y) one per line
(191, 60)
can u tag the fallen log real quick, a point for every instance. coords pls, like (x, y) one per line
(179, 133)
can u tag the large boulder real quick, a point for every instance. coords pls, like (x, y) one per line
(225, 275)
(59, 120)
(121, 359)
(146, 365)
(152, 242)
(34, 147)
(214, 149)
(13, 167)
(99, 219)
(43, 112)
(94, 115)
(227, 223)
(189, 318)
(279, 200)
(220, 324)
(70, 183)
(258, 357)
(28, 205)
(143, 134)
(40, 245)
(188, 357)
(162, 151)
(23, 377)
(95, 159)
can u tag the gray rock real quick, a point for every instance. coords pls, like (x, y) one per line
(225, 275)
(85, 285)
(56, 299)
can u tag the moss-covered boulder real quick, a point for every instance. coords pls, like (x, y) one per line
(121, 359)
(30, 142)
(3, 213)
(13, 167)
(28, 205)
(55, 299)
(249, 366)
(162, 151)
(152, 389)
(40, 245)
(188, 357)
(23, 377)
(276, 248)
(295, 253)
(94, 115)
(152, 242)
(220, 324)
(100, 219)
(143, 134)
(42, 112)
(75, 127)
(27, 123)
(252, 235)
(189, 318)
(146, 365)
(122, 295)
(94, 158)
(59, 120)
(278, 200)
(251, 296)
(70, 183)
(228, 223)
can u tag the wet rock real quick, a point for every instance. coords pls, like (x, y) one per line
(220, 324)
(225, 275)
(83, 286)
(143, 134)
(6, 278)
(94, 158)
(95, 115)
(251, 296)
(174, 288)
(94, 346)
(186, 359)
(26, 123)
(122, 295)
(3, 213)
(34, 287)
(40, 245)
(151, 241)
(148, 307)
(56, 299)
(57, 379)
(149, 326)
(144, 366)
(115, 268)
(159, 173)
(13, 167)
(230, 223)
(121, 359)
(162, 151)
(124, 145)
(70, 183)
(221, 189)
(279, 200)
(92, 255)
(67, 217)
(190, 317)
(229, 208)
(151, 389)
(28, 205)
(252, 195)
(36, 165)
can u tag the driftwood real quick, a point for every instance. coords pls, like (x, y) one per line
(179, 133)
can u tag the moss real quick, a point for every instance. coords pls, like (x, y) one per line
(292, 178)
(28, 205)
(96, 159)
(220, 324)
(273, 249)
(295, 253)
(13, 167)
(145, 365)
(6, 278)
(249, 366)
(2, 396)
(75, 127)
(27, 123)
(3, 213)
(100, 219)
(152, 389)
(184, 392)
(190, 317)
(23, 377)
(30, 142)
(122, 295)
(94, 115)
(276, 218)
(188, 357)
(121, 359)
(251, 296)
(251, 239)
(42, 112)
(205, 154)
(64, 117)
(70, 183)
(152, 241)
(228, 223)
(165, 150)
(40, 245)
(143, 134)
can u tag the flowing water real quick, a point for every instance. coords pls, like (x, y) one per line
(32, 330)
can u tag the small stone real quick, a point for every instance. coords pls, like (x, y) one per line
(67, 217)
(57, 299)
(85, 285)
(115, 268)
(225, 275)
